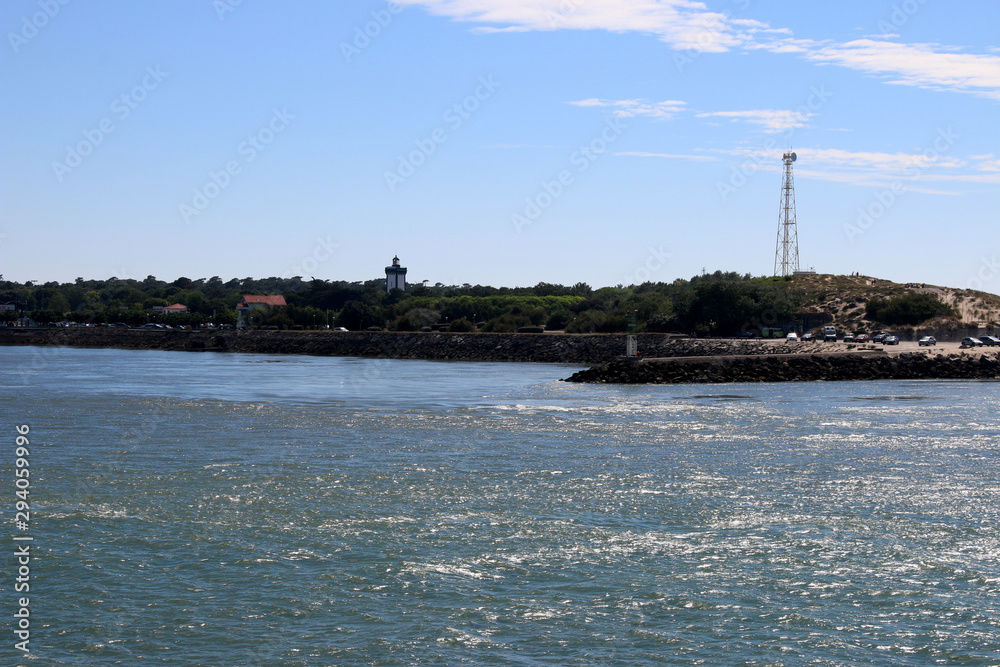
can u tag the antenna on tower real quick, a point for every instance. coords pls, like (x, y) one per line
(786, 255)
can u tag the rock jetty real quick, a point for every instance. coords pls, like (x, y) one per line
(866, 365)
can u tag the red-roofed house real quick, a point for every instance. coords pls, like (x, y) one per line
(253, 301)
(257, 302)
(176, 308)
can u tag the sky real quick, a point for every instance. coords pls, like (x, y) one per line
(498, 142)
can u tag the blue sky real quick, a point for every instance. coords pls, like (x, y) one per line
(499, 142)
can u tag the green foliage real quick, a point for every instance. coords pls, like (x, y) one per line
(507, 323)
(461, 325)
(45, 316)
(423, 317)
(911, 309)
(720, 303)
(59, 303)
(597, 321)
(661, 324)
(356, 315)
(558, 320)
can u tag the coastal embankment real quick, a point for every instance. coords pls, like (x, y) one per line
(666, 358)
(586, 349)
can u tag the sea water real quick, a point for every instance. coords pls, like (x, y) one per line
(240, 509)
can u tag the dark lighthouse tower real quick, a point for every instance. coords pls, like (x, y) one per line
(395, 276)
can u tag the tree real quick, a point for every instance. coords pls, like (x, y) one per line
(59, 303)
(356, 316)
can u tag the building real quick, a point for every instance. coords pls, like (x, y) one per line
(251, 302)
(395, 276)
(175, 309)
(255, 302)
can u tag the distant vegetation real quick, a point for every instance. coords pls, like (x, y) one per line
(911, 309)
(722, 303)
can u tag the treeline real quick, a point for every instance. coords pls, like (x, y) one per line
(721, 303)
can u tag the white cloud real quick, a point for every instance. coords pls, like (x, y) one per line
(690, 25)
(880, 162)
(986, 162)
(772, 120)
(922, 65)
(684, 24)
(875, 169)
(631, 108)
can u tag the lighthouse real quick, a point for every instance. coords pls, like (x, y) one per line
(395, 276)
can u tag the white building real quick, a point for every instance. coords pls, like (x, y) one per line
(395, 276)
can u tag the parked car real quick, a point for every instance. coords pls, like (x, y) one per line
(829, 333)
(969, 341)
(890, 340)
(879, 337)
(808, 336)
(862, 338)
(848, 337)
(990, 340)
(339, 329)
(792, 337)
(927, 340)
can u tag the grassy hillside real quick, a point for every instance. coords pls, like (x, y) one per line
(846, 298)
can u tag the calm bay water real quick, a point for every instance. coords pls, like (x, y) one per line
(222, 509)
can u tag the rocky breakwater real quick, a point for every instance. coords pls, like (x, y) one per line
(548, 347)
(857, 365)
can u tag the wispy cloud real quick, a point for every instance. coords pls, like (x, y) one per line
(877, 169)
(631, 108)
(683, 24)
(923, 65)
(772, 120)
(879, 162)
(987, 162)
(690, 25)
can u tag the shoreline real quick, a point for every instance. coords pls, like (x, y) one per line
(666, 359)
(583, 349)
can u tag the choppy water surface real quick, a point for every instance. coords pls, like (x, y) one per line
(225, 509)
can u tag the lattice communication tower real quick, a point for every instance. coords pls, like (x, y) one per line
(786, 255)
